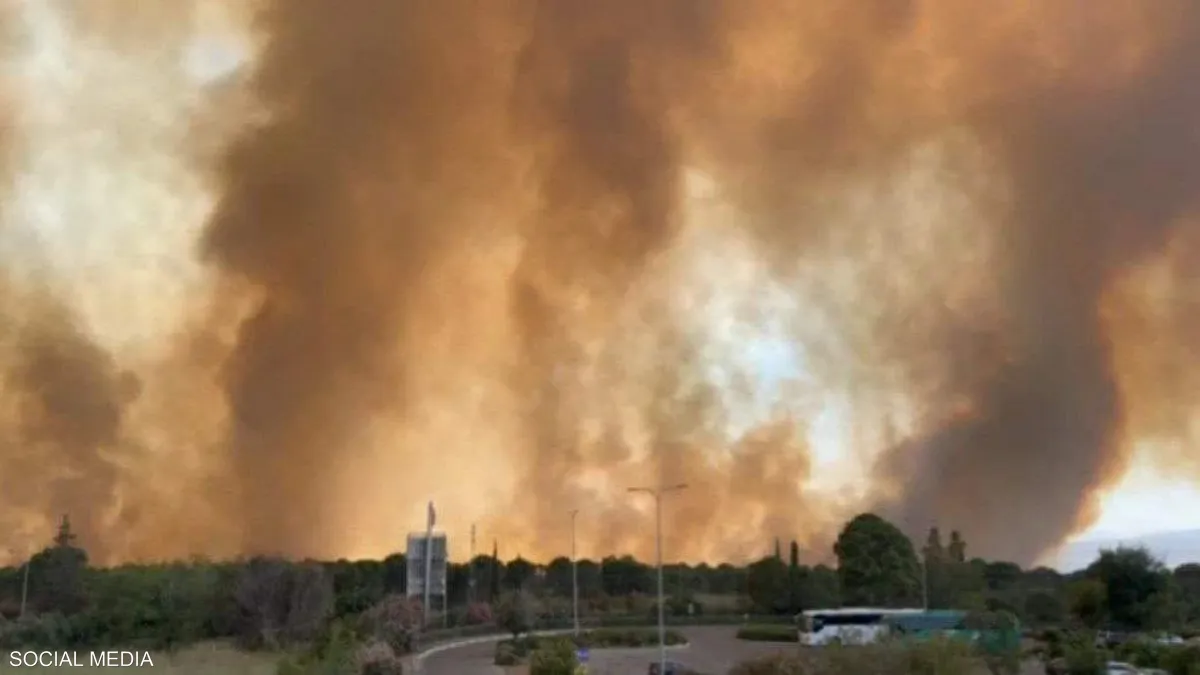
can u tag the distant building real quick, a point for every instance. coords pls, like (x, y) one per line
(415, 558)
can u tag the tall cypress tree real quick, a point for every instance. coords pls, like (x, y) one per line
(495, 576)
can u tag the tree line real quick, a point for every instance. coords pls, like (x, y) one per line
(57, 599)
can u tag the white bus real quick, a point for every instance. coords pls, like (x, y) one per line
(846, 625)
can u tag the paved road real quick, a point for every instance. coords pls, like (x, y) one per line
(711, 650)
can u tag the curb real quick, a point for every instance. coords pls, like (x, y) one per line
(419, 658)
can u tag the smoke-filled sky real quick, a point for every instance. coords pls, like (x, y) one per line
(278, 272)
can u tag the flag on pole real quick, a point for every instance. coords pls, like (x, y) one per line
(432, 515)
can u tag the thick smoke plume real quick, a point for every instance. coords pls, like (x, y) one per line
(466, 234)
(337, 210)
(62, 398)
(1103, 177)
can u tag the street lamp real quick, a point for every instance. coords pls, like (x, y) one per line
(657, 493)
(574, 576)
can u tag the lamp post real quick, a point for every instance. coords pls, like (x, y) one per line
(657, 493)
(574, 576)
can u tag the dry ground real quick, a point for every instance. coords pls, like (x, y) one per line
(210, 659)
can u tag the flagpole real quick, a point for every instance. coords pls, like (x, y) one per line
(428, 562)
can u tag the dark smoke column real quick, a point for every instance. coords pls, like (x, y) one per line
(381, 126)
(1104, 177)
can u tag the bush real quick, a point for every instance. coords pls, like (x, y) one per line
(333, 654)
(776, 664)
(378, 658)
(515, 612)
(477, 614)
(280, 603)
(768, 634)
(395, 621)
(513, 652)
(554, 657)
(1085, 659)
(930, 657)
(633, 637)
(506, 655)
(1142, 653)
(48, 631)
(938, 656)
(1181, 660)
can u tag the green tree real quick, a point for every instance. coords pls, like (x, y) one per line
(281, 603)
(518, 573)
(56, 574)
(767, 584)
(933, 551)
(1001, 576)
(1132, 579)
(1086, 598)
(877, 565)
(956, 551)
(558, 577)
(1043, 607)
(795, 579)
(935, 572)
(624, 576)
(822, 587)
(1187, 579)
(395, 574)
(495, 571)
(588, 572)
(515, 612)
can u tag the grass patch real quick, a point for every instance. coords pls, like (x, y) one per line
(204, 659)
(933, 657)
(768, 634)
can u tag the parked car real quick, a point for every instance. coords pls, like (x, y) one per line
(1110, 639)
(1121, 668)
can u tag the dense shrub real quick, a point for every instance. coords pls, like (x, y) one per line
(46, 631)
(768, 634)
(1175, 659)
(554, 657)
(516, 612)
(378, 658)
(334, 653)
(1084, 658)
(513, 652)
(394, 621)
(281, 603)
(776, 664)
(506, 655)
(477, 613)
(931, 657)
(632, 637)
(939, 656)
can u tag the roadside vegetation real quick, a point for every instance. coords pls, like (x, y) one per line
(355, 617)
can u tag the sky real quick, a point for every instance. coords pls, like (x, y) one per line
(91, 226)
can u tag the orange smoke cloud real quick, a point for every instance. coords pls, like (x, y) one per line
(465, 236)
